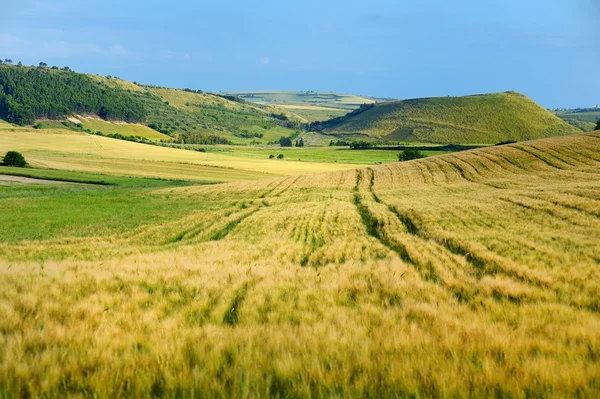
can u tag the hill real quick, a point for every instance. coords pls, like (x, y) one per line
(310, 105)
(473, 274)
(28, 94)
(478, 119)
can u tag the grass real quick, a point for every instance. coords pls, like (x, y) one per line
(319, 99)
(586, 121)
(311, 113)
(472, 274)
(125, 129)
(67, 150)
(591, 117)
(327, 154)
(482, 119)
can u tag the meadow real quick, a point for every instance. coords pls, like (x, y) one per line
(463, 275)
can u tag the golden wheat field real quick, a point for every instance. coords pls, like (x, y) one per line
(463, 275)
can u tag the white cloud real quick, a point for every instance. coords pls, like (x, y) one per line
(117, 49)
(13, 46)
(265, 60)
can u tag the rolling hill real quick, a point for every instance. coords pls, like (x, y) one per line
(472, 274)
(478, 119)
(310, 105)
(28, 94)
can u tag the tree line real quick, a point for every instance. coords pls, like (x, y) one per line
(29, 93)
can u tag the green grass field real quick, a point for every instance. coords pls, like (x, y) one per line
(327, 154)
(472, 274)
(480, 119)
(591, 117)
(312, 113)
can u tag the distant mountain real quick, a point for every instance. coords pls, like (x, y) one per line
(477, 119)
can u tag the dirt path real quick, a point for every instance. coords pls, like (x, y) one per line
(6, 180)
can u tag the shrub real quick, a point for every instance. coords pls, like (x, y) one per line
(409, 154)
(13, 158)
(271, 156)
(280, 156)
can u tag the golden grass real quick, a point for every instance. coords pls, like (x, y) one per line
(71, 151)
(125, 129)
(465, 275)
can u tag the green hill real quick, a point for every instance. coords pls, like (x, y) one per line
(28, 94)
(478, 119)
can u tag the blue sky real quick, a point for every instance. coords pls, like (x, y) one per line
(546, 49)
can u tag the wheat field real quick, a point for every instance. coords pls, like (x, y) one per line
(463, 275)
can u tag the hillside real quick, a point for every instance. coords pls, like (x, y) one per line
(310, 105)
(584, 119)
(473, 274)
(28, 94)
(479, 119)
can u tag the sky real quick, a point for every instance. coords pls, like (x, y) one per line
(546, 49)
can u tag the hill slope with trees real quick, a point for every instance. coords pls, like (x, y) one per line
(478, 119)
(189, 116)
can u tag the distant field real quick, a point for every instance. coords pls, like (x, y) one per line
(125, 129)
(324, 99)
(472, 274)
(319, 154)
(314, 113)
(591, 117)
(67, 150)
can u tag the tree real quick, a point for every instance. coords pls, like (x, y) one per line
(67, 69)
(8, 61)
(361, 145)
(409, 154)
(598, 125)
(43, 65)
(280, 156)
(300, 143)
(271, 156)
(20, 64)
(285, 141)
(13, 158)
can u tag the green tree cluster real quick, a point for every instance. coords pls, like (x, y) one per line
(408, 154)
(28, 93)
(13, 158)
(285, 141)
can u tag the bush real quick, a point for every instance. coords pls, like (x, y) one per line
(13, 158)
(280, 156)
(271, 156)
(409, 154)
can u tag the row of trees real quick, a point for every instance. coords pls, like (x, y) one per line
(287, 142)
(30, 93)
(42, 65)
